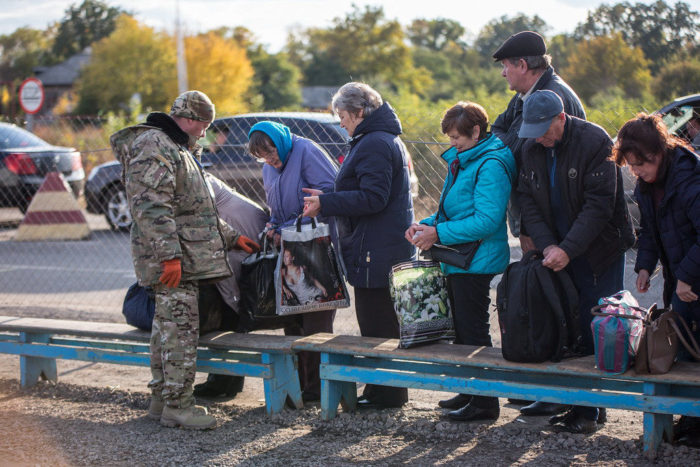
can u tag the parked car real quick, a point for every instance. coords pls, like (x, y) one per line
(225, 156)
(25, 159)
(676, 116)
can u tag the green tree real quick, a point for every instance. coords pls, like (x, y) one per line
(363, 45)
(561, 47)
(678, 78)
(659, 29)
(603, 63)
(276, 80)
(498, 30)
(83, 25)
(21, 52)
(435, 34)
(134, 59)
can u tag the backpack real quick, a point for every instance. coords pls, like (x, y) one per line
(537, 312)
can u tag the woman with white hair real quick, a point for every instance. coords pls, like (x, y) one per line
(373, 207)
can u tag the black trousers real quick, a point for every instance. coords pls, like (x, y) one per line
(376, 317)
(470, 300)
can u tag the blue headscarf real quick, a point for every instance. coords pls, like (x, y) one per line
(279, 134)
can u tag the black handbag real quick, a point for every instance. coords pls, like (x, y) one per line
(257, 283)
(460, 255)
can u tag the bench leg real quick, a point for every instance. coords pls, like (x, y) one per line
(336, 392)
(284, 382)
(33, 368)
(657, 427)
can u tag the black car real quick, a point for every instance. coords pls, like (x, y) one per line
(225, 156)
(25, 159)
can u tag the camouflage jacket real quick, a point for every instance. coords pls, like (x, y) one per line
(171, 203)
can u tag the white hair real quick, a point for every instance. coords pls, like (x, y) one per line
(356, 97)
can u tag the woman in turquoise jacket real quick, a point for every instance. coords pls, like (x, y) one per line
(472, 207)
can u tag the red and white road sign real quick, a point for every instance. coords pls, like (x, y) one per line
(31, 95)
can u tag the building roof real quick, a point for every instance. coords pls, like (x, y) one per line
(64, 73)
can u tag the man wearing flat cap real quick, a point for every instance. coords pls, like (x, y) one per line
(177, 240)
(527, 68)
(573, 205)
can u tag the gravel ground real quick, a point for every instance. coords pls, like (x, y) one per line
(96, 415)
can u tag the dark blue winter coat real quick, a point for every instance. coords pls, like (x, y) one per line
(372, 201)
(672, 235)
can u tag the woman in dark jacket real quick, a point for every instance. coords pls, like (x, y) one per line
(668, 194)
(373, 206)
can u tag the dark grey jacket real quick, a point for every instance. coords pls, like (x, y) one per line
(599, 224)
(507, 125)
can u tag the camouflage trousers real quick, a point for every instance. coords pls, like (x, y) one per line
(174, 343)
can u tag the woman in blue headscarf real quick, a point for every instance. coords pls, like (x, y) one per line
(293, 163)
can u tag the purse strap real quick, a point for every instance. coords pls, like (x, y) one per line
(692, 346)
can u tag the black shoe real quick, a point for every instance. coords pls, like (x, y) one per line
(520, 402)
(457, 402)
(571, 422)
(543, 408)
(470, 412)
(364, 403)
(602, 416)
(219, 386)
(687, 431)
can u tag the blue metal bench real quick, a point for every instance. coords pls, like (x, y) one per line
(346, 360)
(39, 342)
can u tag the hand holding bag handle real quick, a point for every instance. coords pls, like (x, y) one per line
(299, 224)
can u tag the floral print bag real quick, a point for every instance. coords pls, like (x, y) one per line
(419, 293)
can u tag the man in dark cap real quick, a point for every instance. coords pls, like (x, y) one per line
(177, 240)
(573, 205)
(527, 68)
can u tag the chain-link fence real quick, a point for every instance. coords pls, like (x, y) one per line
(91, 275)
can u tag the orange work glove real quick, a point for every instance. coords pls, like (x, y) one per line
(172, 272)
(246, 244)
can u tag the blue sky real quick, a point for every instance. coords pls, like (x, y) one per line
(271, 20)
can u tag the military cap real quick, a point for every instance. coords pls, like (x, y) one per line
(194, 105)
(522, 44)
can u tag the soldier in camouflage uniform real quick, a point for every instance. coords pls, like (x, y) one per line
(177, 240)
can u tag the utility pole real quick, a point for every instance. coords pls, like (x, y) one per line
(182, 85)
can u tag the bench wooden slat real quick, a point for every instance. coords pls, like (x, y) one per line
(477, 356)
(217, 339)
(73, 328)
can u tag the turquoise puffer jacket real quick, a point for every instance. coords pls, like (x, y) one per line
(473, 212)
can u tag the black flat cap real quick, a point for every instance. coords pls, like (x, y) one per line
(522, 44)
